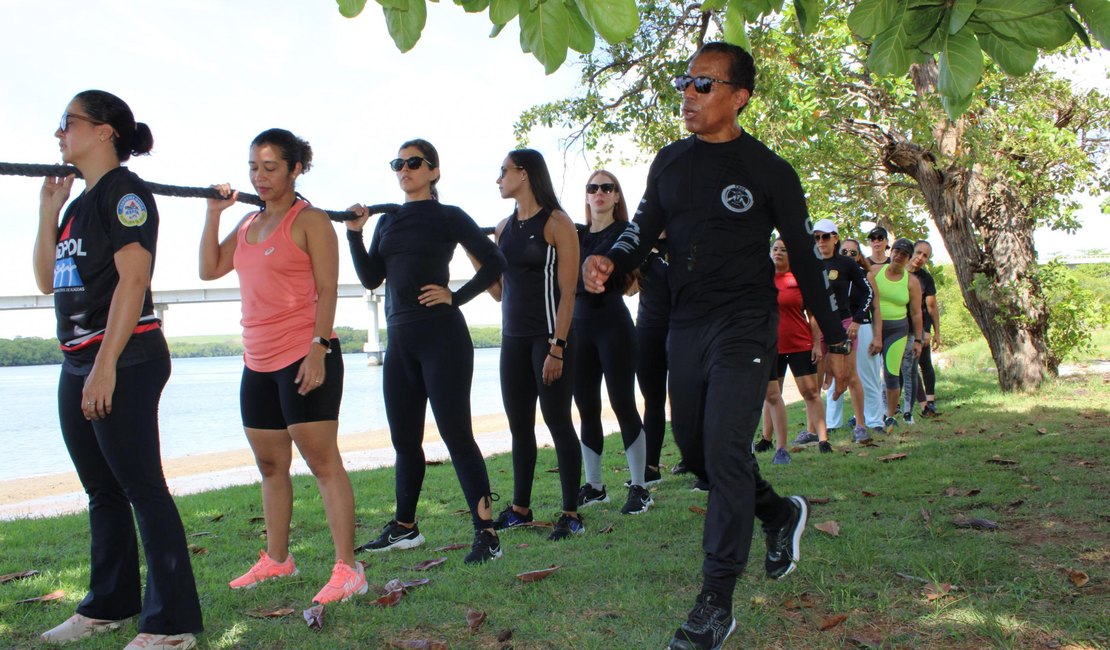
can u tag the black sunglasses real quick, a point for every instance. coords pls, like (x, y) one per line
(823, 236)
(606, 188)
(413, 163)
(849, 252)
(66, 117)
(703, 85)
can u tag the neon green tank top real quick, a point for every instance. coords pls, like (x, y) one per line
(894, 295)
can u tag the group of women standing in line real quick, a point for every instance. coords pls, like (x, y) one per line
(558, 342)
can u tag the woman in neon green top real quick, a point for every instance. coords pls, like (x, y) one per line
(899, 296)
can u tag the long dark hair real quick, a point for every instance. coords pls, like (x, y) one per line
(293, 149)
(620, 209)
(430, 154)
(131, 138)
(539, 179)
(861, 259)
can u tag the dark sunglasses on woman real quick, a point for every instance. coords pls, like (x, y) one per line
(703, 85)
(823, 236)
(412, 163)
(606, 188)
(849, 252)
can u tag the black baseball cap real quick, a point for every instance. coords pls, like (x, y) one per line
(877, 232)
(904, 245)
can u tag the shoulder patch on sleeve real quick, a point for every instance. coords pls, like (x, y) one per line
(131, 211)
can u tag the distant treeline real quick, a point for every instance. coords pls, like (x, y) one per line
(35, 351)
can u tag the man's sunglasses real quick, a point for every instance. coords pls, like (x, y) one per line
(606, 188)
(823, 236)
(412, 163)
(703, 85)
(849, 252)
(66, 117)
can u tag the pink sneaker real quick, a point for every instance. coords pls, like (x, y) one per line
(346, 581)
(263, 570)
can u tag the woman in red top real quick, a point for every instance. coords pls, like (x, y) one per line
(800, 349)
(287, 258)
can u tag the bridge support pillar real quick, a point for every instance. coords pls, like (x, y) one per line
(160, 313)
(373, 346)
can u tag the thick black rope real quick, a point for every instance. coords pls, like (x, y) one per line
(23, 169)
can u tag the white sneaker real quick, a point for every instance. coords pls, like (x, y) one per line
(78, 627)
(162, 642)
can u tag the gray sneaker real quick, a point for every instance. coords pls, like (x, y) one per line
(805, 437)
(782, 457)
(860, 434)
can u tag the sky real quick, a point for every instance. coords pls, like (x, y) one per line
(209, 76)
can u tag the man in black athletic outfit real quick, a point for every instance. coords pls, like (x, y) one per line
(719, 194)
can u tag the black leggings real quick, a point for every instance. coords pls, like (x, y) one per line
(522, 360)
(651, 374)
(432, 360)
(119, 462)
(928, 375)
(606, 347)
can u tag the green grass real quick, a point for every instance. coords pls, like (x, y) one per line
(629, 588)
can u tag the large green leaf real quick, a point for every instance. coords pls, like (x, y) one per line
(1080, 30)
(1096, 13)
(955, 107)
(754, 9)
(402, 5)
(473, 6)
(922, 23)
(613, 20)
(351, 8)
(809, 13)
(961, 64)
(961, 11)
(406, 25)
(1037, 23)
(890, 55)
(545, 32)
(503, 11)
(1013, 57)
(581, 35)
(734, 25)
(870, 17)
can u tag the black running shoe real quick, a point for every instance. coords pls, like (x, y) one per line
(679, 468)
(588, 495)
(825, 447)
(567, 526)
(929, 410)
(764, 445)
(784, 546)
(486, 547)
(394, 536)
(510, 518)
(700, 485)
(651, 477)
(707, 626)
(639, 500)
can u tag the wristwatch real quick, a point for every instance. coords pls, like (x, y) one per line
(557, 342)
(840, 348)
(319, 340)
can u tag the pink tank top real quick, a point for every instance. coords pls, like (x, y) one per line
(279, 295)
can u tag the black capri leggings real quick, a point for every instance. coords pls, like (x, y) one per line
(606, 347)
(522, 360)
(651, 374)
(432, 360)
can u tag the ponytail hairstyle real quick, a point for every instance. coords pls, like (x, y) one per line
(293, 149)
(539, 178)
(430, 155)
(130, 138)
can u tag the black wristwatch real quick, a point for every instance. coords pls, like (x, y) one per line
(557, 342)
(319, 340)
(840, 348)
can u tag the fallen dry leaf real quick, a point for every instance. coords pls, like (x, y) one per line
(390, 598)
(54, 595)
(474, 620)
(1001, 461)
(863, 642)
(419, 582)
(818, 500)
(553, 470)
(870, 442)
(959, 492)
(698, 510)
(314, 616)
(460, 512)
(540, 524)
(797, 450)
(452, 547)
(606, 530)
(927, 516)
(1015, 504)
(1077, 577)
(832, 621)
(197, 550)
(203, 533)
(432, 463)
(887, 459)
(504, 635)
(255, 520)
(1041, 431)
(935, 590)
(276, 613)
(960, 431)
(537, 575)
(428, 564)
(420, 644)
(868, 494)
(18, 575)
(217, 517)
(800, 602)
(829, 528)
(974, 522)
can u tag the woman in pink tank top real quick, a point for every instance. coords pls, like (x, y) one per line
(287, 259)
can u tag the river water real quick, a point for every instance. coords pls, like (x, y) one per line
(199, 410)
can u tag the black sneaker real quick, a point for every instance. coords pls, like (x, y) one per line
(639, 500)
(394, 536)
(567, 526)
(929, 410)
(588, 495)
(679, 468)
(825, 447)
(651, 477)
(486, 547)
(510, 518)
(764, 445)
(784, 546)
(700, 485)
(707, 626)
(907, 417)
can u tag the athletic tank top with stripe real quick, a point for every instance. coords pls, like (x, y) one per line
(279, 295)
(894, 295)
(530, 284)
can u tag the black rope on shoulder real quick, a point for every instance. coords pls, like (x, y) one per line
(23, 169)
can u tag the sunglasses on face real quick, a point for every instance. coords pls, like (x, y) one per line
(506, 169)
(823, 236)
(703, 85)
(877, 238)
(849, 252)
(412, 163)
(66, 117)
(606, 188)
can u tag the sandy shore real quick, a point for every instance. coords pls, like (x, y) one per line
(53, 494)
